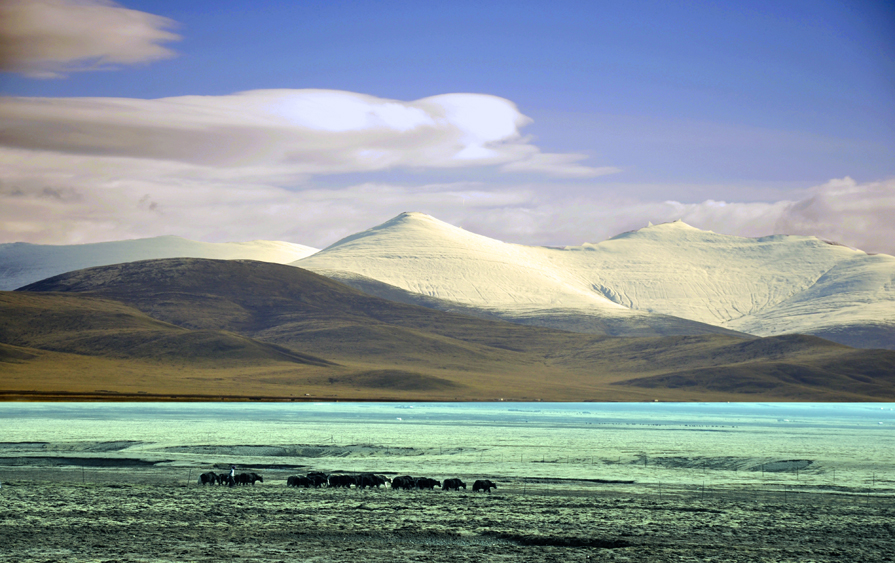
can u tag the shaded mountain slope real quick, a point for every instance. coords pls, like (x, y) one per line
(568, 319)
(23, 263)
(383, 349)
(89, 326)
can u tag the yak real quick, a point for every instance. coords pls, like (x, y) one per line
(248, 478)
(365, 480)
(342, 481)
(209, 479)
(426, 483)
(318, 479)
(483, 485)
(299, 481)
(403, 482)
(452, 485)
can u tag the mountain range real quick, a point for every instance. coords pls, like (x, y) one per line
(419, 309)
(664, 279)
(187, 328)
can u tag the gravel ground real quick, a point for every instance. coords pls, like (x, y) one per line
(156, 520)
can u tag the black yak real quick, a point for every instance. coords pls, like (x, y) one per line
(483, 485)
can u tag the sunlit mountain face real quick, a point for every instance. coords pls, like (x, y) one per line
(762, 286)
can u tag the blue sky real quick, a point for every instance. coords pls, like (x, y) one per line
(742, 117)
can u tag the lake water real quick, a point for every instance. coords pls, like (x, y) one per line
(729, 443)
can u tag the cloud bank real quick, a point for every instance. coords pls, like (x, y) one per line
(285, 136)
(50, 38)
(844, 211)
(251, 165)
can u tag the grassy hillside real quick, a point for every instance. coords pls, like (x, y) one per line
(190, 327)
(98, 327)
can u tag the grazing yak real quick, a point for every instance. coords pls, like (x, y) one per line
(344, 481)
(299, 481)
(314, 479)
(318, 479)
(248, 479)
(365, 480)
(408, 482)
(209, 479)
(403, 482)
(452, 485)
(483, 485)
(426, 483)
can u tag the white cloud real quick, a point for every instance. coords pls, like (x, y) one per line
(559, 165)
(130, 198)
(49, 38)
(858, 215)
(841, 210)
(284, 134)
(243, 166)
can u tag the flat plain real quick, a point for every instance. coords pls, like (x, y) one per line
(574, 482)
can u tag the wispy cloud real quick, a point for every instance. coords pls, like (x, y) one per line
(50, 38)
(247, 166)
(842, 210)
(244, 165)
(46, 202)
(286, 135)
(845, 211)
(558, 165)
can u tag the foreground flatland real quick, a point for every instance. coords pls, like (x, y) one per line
(152, 520)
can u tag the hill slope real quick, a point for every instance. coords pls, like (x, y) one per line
(386, 350)
(22, 263)
(89, 326)
(765, 286)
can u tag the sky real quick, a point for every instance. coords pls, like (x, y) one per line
(531, 122)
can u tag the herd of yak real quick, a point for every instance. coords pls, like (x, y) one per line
(360, 481)
(230, 479)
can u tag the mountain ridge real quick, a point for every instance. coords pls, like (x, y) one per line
(286, 333)
(665, 279)
(22, 263)
(779, 284)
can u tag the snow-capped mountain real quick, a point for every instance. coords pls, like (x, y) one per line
(23, 263)
(762, 286)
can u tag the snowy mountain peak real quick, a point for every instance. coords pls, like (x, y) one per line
(417, 220)
(765, 286)
(672, 230)
(421, 254)
(416, 229)
(674, 225)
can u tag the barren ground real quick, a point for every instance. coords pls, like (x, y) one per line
(100, 483)
(153, 516)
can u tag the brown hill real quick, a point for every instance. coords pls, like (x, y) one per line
(213, 328)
